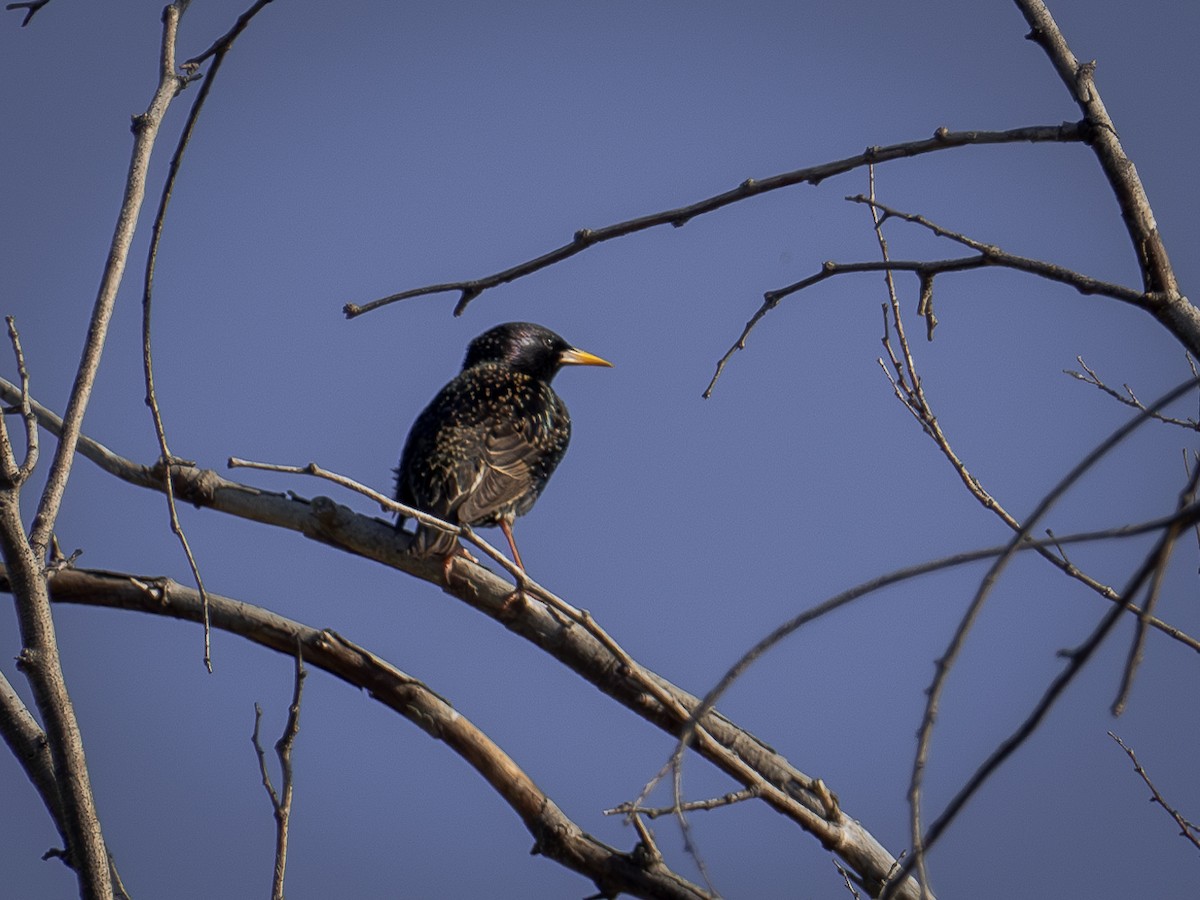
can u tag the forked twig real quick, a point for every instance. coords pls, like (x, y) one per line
(281, 800)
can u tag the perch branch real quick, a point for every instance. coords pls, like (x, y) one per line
(731, 749)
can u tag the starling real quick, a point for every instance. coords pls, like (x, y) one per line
(482, 451)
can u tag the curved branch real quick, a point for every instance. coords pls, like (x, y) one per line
(943, 139)
(557, 836)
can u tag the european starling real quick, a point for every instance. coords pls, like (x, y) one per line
(482, 451)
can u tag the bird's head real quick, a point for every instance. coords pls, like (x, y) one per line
(528, 348)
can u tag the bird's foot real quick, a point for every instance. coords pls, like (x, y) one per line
(512, 605)
(448, 564)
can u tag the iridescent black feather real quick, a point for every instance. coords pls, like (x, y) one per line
(482, 451)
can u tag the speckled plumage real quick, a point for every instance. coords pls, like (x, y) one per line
(482, 451)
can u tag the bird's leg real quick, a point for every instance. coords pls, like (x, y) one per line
(517, 598)
(506, 527)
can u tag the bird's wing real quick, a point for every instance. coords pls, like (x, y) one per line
(500, 475)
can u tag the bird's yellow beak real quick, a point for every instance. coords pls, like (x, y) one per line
(573, 357)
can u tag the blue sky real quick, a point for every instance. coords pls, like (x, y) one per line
(353, 150)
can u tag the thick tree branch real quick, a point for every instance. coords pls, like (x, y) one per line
(557, 836)
(731, 749)
(25, 556)
(145, 131)
(1167, 304)
(943, 139)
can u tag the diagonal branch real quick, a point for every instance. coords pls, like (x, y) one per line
(1165, 301)
(1188, 830)
(921, 842)
(943, 139)
(557, 836)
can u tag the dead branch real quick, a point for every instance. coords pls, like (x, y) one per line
(25, 554)
(556, 836)
(281, 800)
(731, 749)
(218, 52)
(1164, 299)
(1188, 830)
(1128, 398)
(31, 8)
(943, 139)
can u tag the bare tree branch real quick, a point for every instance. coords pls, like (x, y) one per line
(31, 8)
(1164, 299)
(597, 659)
(145, 131)
(926, 270)
(1128, 398)
(1187, 830)
(942, 139)
(218, 52)
(27, 742)
(281, 800)
(25, 555)
(922, 841)
(557, 837)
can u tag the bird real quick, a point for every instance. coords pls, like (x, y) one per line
(481, 452)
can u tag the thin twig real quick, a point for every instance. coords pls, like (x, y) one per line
(630, 809)
(1128, 398)
(15, 474)
(943, 139)
(1187, 830)
(222, 44)
(925, 271)
(281, 801)
(218, 51)
(1137, 646)
(30, 6)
